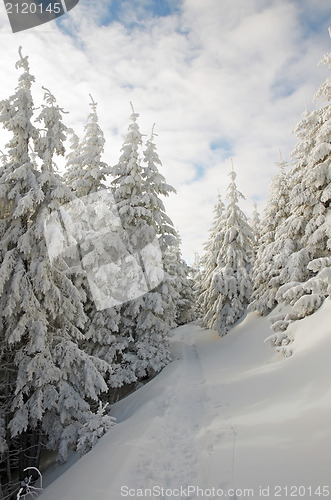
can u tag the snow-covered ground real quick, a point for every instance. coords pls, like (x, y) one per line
(228, 415)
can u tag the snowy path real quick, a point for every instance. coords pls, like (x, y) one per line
(226, 413)
(169, 453)
(168, 433)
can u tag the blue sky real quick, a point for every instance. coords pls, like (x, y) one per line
(221, 79)
(118, 10)
(132, 13)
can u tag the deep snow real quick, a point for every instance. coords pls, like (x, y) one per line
(228, 413)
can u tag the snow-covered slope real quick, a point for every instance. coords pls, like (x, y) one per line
(228, 413)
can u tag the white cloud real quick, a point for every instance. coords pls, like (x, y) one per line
(212, 73)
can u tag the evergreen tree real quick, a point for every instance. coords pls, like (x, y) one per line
(82, 374)
(49, 382)
(128, 192)
(196, 265)
(209, 261)
(273, 249)
(168, 239)
(229, 292)
(145, 320)
(102, 248)
(306, 275)
(158, 307)
(19, 192)
(196, 276)
(185, 308)
(255, 224)
(86, 172)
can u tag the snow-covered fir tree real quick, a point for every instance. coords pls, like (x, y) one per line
(306, 275)
(273, 249)
(128, 192)
(229, 290)
(19, 192)
(49, 383)
(195, 269)
(209, 260)
(82, 374)
(175, 287)
(86, 172)
(155, 186)
(195, 275)
(255, 224)
(145, 320)
(184, 285)
(102, 250)
(129, 189)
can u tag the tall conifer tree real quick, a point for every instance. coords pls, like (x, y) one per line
(145, 320)
(271, 250)
(229, 290)
(305, 275)
(49, 381)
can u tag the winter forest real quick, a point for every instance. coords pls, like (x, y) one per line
(92, 278)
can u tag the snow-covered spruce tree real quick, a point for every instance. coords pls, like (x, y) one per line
(195, 269)
(195, 275)
(86, 172)
(209, 260)
(255, 224)
(82, 374)
(128, 191)
(306, 276)
(101, 249)
(19, 193)
(155, 186)
(5, 205)
(49, 381)
(229, 290)
(184, 284)
(71, 174)
(273, 249)
(145, 320)
(175, 287)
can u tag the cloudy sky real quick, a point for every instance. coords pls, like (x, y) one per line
(221, 79)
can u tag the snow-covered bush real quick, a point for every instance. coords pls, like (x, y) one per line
(96, 425)
(302, 299)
